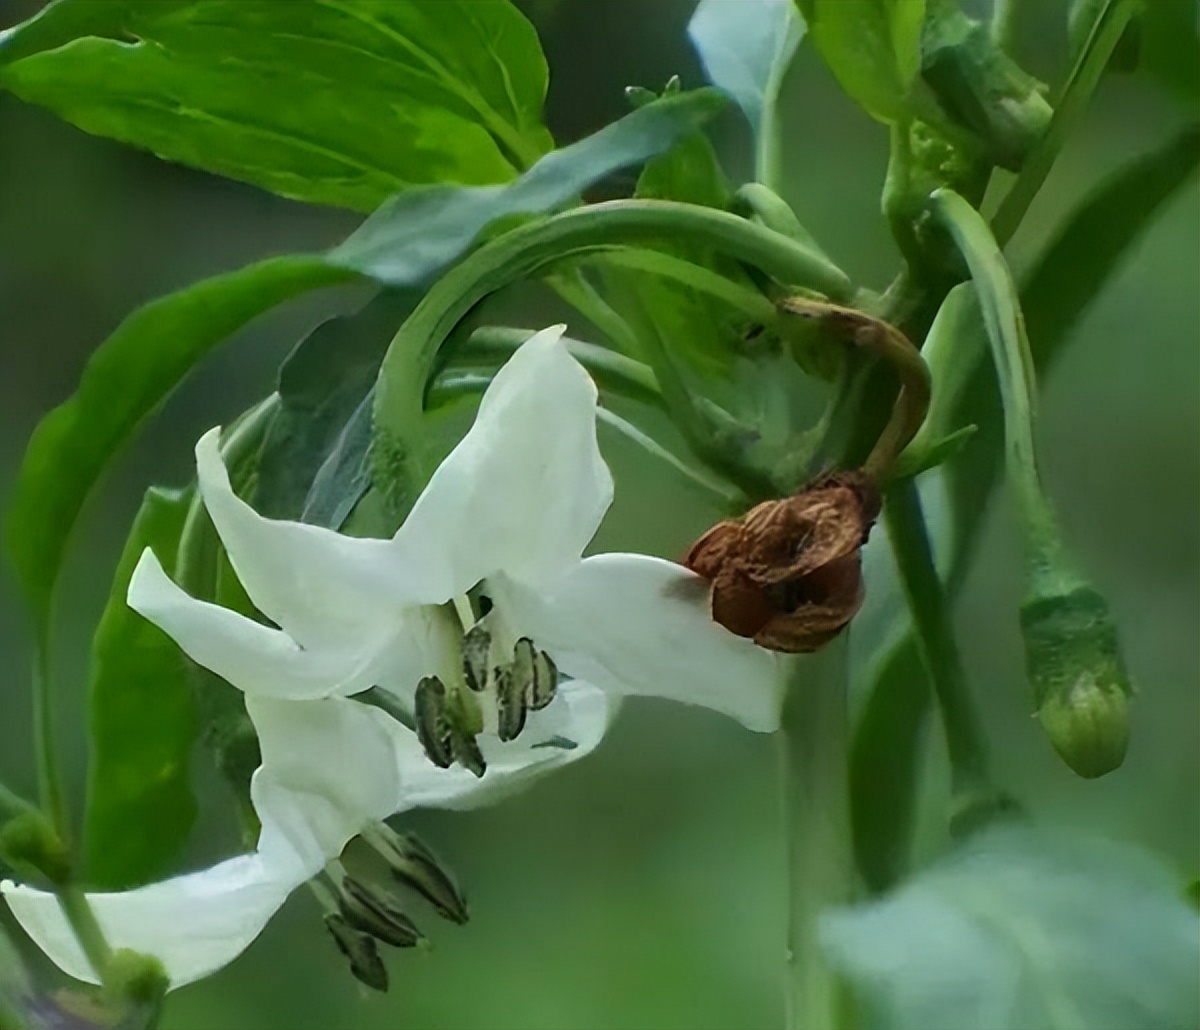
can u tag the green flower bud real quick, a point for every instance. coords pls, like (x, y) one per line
(1080, 686)
(134, 980)
(980, 88)
(29, 843)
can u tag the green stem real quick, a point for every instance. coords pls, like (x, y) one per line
(768, 149)
(816, 820)
(1004, 23)
(573, 286)
(612, 371)
(82, 919)
(931, 619)
(1013, 361)
(1078, 90)
(51, 792)
(755, 198)
(13, 805)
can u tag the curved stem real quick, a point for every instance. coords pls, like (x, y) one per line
(813, 766)
(573, 286)
(758, 199)
(1014, 365)
(887, 342)
(612, 371)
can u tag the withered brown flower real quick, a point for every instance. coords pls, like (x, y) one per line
(788, 573)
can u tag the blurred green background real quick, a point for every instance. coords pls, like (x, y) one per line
(641, 888)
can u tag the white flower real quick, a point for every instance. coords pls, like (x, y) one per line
(505, 517)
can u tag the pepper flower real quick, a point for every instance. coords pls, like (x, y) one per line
(446, 666)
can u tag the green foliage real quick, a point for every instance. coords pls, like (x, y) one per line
(322, 384)
(140, 805)
(1024, 928)
(379, 97)
(1170, 48)
(873, 48)
(418, 233)
(125, 380)
(746, 49)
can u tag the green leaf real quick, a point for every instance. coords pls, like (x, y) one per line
(1022, 928)
(873, 48)
(125, 380)
(321, 384)
(1170, 47)
(420, 232)
(142, 722)
(327, 101)
(745, 48)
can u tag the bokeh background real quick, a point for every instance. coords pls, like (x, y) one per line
(641, 888)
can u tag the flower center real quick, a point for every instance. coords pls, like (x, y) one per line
(493, 681)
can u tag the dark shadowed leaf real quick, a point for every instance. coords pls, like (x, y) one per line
(873, 48)
(125, 380)
(745, 47)
(1170, 47)
(418, 233)
(336, 102)
(321, 384)
(1023, 928)
(142, 721)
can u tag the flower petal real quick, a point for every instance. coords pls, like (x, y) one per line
(194, 924)
(323, 588)
(253, 657)
(525, 489)
(632, 624)
(372, 767)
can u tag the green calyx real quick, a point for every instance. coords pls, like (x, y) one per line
(1080, 685)
(134, 980)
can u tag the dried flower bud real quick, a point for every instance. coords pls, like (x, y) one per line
(788, 574)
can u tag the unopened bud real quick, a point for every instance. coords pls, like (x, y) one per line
(415, 866)
(788, 574)
(981, 88)
(29, 843)
(361, 950)
(134, 980)
(1080, 686)
(370, 910)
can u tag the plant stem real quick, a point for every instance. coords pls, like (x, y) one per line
(816, 820)
(935, 637)
(78, 911)
(758, 199)
(12, 804)
(50, 780)
(1080, 85)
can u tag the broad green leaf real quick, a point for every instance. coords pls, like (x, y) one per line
(1024, 928)
(1170, 47)
(321, 384)
(745, 47)
(142, 721)
(125, 380)
(340, 102)
(418, 233)
(872, 47)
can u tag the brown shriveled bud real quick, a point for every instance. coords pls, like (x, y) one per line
(788, 573)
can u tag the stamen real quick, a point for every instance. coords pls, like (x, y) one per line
(433, 724)
(510, 704)
(415, 866)
(466, 614)
(475, 647)
(360, 948)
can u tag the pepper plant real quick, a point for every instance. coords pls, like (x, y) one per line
(373, 596)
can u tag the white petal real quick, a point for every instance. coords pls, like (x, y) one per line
(632, 624)
(525, 489)
(194, 924)
(253, 657)
(323, 588)
(371, 767)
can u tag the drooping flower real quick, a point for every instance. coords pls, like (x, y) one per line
(487, 650)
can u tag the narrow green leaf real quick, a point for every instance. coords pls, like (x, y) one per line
(420, 232)
(139, 805)
(329, 101)
(1022, 928)
(872, 47)
(746, 47)
(125, 380)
